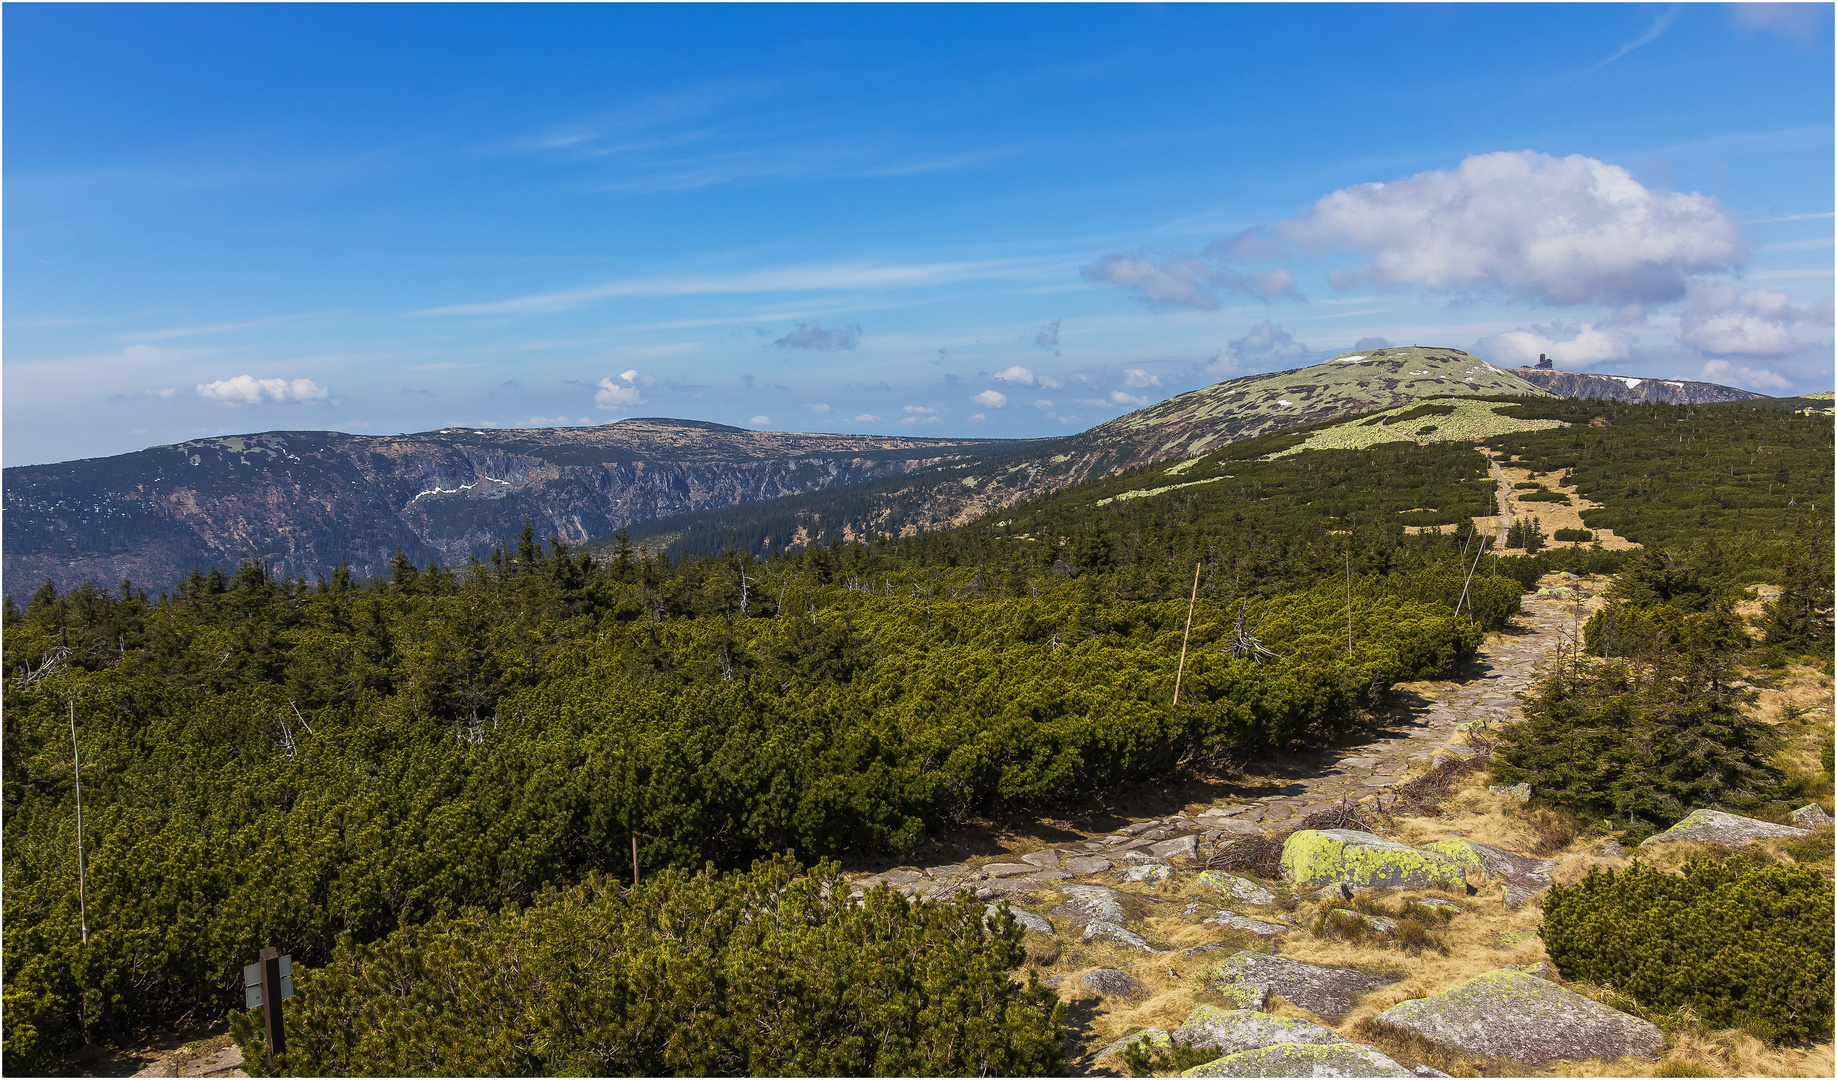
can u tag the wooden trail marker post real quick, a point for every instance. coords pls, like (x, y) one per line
(76, 774)
(268, 983)
(1190, 604)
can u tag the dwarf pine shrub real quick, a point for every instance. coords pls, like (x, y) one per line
(1744, 945)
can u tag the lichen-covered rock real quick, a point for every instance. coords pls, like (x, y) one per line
(1232, 1031)
(1515, 792)
(1524, 877)
(1237, 887)
(1109, 931)
(1111, 983)
(1045, 860)
(1312, 858)
(1329, 992)
(1086, 864)
(1087, 903)
(1303, 1059)
(1028, 920)
(1156, 1038)
(1437, 905)
(1509, 1014)
(1810, 816)
(1146, 872)
(1716, 827)
(1239, 922)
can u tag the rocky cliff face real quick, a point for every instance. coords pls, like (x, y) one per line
(1571, 384)
(302, 502)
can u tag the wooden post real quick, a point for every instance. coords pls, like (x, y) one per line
(76, 774)
(1349, 600)
(271, 1005)
(1190, 604)
(634, 861)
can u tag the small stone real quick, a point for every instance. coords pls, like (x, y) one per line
(1046, 860)
(1516, 792)
(1085, 864)
(1152, 873)
(1810, 816)
(1111, 983)
(1513, 1015)
(1046, 877)
(1089, 903)
(1237, 887)
(997, 870)
(1611, 849)
(1027, 919)
(1109, 931)
(1327, 991)
(953, 870)
(902, 877)
(1180, 846)
(1434, 904)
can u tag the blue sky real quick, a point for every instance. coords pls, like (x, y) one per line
(944, 220)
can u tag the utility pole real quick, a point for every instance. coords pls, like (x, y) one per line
(1190, 604)
(76, 773)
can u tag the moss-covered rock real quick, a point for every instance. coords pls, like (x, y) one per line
(1523, 875)
(1510, 1014)
(1716, 827)
(1313, 858)
(1152, 1038)
(1232, 1031)
(1250, 977)
(1298, 1059)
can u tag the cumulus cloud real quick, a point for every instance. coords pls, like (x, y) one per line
(760, 421)
(1721, 319)
(1185, 280)
(1136, 377)
(993, 399)
(978, 416)
(554, 421)
(921, 419)
(810, 335)
(920, 410)
(1042, 403)
(1117, 397)
(1263, 348)
(1015, 374)
(864, 418)
(817, 407)
(249, 390)
(1569, 230)
(1721, 371)
(1581, 345)
(1048, 337)
(623, 391)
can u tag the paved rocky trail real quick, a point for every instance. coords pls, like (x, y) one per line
(1431, 726)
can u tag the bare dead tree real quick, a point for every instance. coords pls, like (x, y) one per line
(1244, 644)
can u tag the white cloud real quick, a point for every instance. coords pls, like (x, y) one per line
(993, 399)
(1136, 377)
(613, 395)
(922, 420)
(159, 391)
(760, 421)
(1722, 320)
(637, 378)
(1048, 382)
(1048, 337)
(817, 407)
(248, 390)
(1015, 374)
(864, 418)
(1120, 398)
(811, 335)
(978, 416)
(1571, 347)
(1265, 346)
(1788, 20)
(554, 421)
(1721, 371)
(920, 410)
(1184, 280)
(1043, 403)
(1561, 230)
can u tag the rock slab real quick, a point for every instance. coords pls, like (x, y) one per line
(1111, 983)
(1303, 1059)
(1237, 887)
(1511, 1014)
(1810, 816)
(1716, 827)
(1027, 919)
(1313, 858)
(1233, 1031)
(1524, 876)
(1326, 991)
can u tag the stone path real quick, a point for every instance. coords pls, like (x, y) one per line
(1486, 695)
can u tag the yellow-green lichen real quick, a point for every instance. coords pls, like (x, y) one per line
(1315, 858)
(1461, 852)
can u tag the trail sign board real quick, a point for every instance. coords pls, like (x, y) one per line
(252, 982)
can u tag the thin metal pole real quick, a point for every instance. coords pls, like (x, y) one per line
(1190, 604)
(76, 772)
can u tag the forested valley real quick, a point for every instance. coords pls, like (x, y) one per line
(406, 779)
